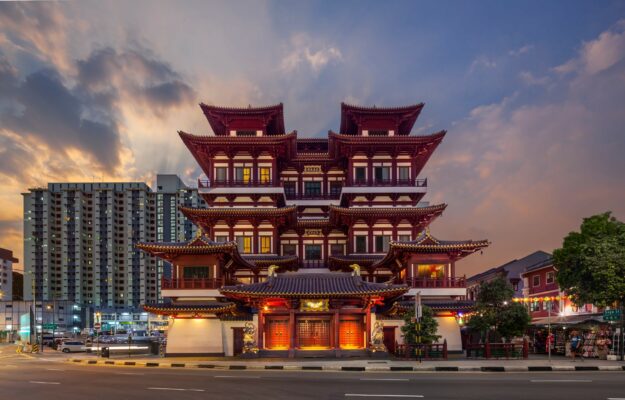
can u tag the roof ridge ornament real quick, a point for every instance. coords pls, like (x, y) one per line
(355, 269)
(271, 271)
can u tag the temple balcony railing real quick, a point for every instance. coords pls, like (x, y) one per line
(207, 183)
(312, 196)
(192, 283)
(417, 182)
(435, 283)
(313, 264)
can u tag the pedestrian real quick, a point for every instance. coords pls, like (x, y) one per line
(576, 344)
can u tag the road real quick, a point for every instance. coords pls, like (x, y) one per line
(48, 377)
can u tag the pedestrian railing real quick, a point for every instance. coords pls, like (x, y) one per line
(498, 350)
(432, 351)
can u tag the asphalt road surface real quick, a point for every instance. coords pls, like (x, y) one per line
(47, 377)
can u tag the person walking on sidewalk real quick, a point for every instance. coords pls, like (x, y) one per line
(576, 345)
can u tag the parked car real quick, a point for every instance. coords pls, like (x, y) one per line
(72, 346)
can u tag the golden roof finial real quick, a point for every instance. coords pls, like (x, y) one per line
(199, 232)
(355, 269)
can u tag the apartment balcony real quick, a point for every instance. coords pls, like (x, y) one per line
(544, 288)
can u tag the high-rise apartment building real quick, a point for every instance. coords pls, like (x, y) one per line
(6, 274)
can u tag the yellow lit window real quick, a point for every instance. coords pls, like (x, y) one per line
(432, 271)
(244, 243)
(265, 174)
(265, 244)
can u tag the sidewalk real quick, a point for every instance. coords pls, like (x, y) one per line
(363, 364)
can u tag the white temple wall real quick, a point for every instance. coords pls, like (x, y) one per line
(194, 336)
(449, 329)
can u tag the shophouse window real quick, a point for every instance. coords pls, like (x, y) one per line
(265, 244)
(221, 174)
(264, 174)
(536, 280)
(551, 277)
(361, 244)
(244, 243)
(381, 243)
(360, 174)
(289, 250)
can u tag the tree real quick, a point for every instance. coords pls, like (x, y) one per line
(429, 327)
(495, 311)
(591, 264)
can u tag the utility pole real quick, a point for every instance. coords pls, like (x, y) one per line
(622, 333)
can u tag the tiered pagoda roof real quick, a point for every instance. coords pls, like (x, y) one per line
(353, 117)
(206, 217)
(428, 244)
(211, 307)
(222, 119)
(420, 216)
(318, 285)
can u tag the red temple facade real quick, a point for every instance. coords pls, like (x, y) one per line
(309, 241)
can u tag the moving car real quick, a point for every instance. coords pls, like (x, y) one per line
(72, 346)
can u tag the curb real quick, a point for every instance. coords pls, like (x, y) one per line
(342, 368)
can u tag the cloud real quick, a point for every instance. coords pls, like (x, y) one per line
(529, 78)
(482, 62)
(521, 50)
(303, 52)
(527, 173)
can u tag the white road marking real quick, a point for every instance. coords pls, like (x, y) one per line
(54, 369)
(616, 398)
(384, 379)
(237, 376)
(129, 373)
(45, 383)
(559, 380)
(175, 389)
(383, 395)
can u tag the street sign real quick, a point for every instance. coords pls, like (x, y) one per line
(49, 326)
(612, 315)
(418, 309)
(97, 326)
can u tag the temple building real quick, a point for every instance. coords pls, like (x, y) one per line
(307, 246)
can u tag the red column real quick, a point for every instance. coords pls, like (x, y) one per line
(371, 248)
(370, 170)
(261, 328)
(368, 327)
(255, 238)
(230, 169)
(394, 175)
(291, 333)
(275, 241)
(337, 345)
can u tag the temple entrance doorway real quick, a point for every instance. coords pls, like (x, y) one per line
(313, 333)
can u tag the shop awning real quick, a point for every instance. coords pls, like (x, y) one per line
(568, 319)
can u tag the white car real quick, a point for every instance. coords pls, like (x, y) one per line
(72, 346)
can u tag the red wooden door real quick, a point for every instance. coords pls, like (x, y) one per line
(277, 333)
(237, 341)
(389, 338)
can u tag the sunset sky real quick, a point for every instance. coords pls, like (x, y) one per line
(532, 94)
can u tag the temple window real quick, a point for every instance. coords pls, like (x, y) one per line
(265, 244)
(195, 272)
(404, 173)
(242, 174)
(289, 250)
(221, 239)
(378, 133)
(404, 238)
(335, 188)
(312, 188)
(551, 277)
(536, 280)
(382, 174)
(265, 174)
(289, 188)
(313, 251)
(431, 271)
(244, 243)
(381, 243)
(246, 133)
(221, 174)
(361, 244)
(360, 174)
(337, 249)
